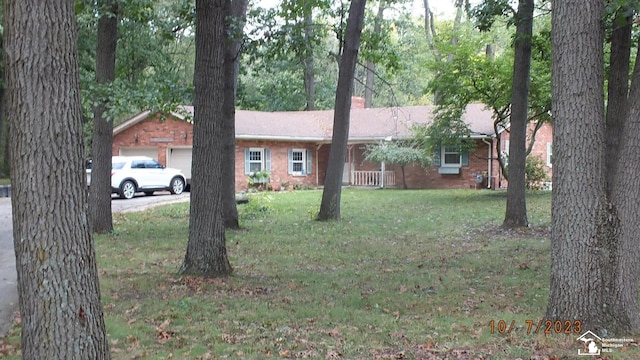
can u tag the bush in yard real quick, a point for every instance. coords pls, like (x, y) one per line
(534, 173)
(258, 205)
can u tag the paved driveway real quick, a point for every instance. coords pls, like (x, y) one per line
(8, 291)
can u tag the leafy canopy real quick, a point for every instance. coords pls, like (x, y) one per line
(397, 152)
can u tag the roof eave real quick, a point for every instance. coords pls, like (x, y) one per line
(129, 123)
(279, 138)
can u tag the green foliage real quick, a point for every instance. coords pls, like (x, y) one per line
(259, 205)
(259, 177)
(148, 76)
(397, 152)
(486, 12)
(448, 128)
(535, 173)
(465, 74)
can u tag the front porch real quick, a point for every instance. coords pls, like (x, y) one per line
(373, 178)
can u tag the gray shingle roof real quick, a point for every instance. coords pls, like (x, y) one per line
(365, 124)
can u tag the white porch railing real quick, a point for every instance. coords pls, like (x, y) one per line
(373, 178)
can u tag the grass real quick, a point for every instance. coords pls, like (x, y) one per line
(405, 274)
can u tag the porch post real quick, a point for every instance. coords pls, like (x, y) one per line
(382, 175)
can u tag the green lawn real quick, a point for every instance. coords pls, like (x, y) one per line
(405, 274)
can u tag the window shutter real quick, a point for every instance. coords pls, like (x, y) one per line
(464, 159)
(247, 168)
(290, 163)
(309, 161)
(437, 157)
(267, 160)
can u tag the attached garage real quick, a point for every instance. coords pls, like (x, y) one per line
(150, 151)
(180, 158)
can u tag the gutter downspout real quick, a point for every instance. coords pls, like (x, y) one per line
(318, 146)
(489, 158)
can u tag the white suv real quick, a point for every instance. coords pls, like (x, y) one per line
(131, 174)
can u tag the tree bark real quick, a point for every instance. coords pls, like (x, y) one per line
(330, 206)
(428, 24)
(582, 228)
(618, 91)
(206, 250)
(622, 312)
(232, 65)
(516, 210)
(100, 189)
(59, 294)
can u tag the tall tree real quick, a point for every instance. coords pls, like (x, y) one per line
(235, 26)
(58, 286)
(580, 221)
(622, 179)
(370, 65)
(330, 206)
(596, 221)
(100, 189)
(206, 250)
(516, 210)
(618, 90)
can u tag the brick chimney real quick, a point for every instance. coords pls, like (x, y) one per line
(357, 102)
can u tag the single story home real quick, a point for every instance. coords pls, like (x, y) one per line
(293, 147)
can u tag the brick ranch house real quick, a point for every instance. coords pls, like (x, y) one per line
(294, 147)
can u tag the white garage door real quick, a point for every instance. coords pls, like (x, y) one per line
(151, 151)
(180, 158)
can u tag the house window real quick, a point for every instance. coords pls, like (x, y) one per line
(256, 160)
(549, 154)
(450, 159)
(451, 156)
(256, 157)
(299, 162)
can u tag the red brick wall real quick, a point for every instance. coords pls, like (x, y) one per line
(154, 132)
(544, 136)
(279, 163)
(420, 178)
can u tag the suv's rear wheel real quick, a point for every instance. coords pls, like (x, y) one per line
(177, 185)
(127, 189)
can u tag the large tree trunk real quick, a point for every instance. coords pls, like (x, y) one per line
(371, 66)
(100, 190)
(623, 186)
(516, 210)
(618, 90)
(582, 230)
(232, 65)
(206, 250)
(623, 312)
(58, 287)
(330, 206)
